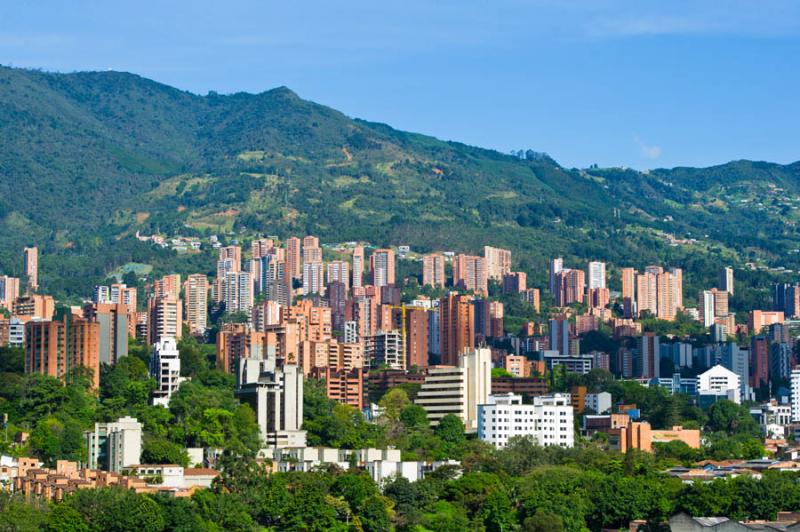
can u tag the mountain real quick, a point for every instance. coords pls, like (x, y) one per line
(87, 159)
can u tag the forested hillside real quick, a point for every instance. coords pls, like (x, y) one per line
(87, 159)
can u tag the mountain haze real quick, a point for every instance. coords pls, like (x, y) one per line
(87, 159)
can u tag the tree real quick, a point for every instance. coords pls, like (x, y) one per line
(156, 450)
(414, 416)
(451, 429)
(392, 403)
(65, 518)
(543, 521)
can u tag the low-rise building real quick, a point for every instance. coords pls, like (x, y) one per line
(549, 420)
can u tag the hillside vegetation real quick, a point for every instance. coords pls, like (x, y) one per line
(87, 159)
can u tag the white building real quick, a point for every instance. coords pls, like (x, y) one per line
(720, 381)
(238, 291)
(458, 390)
(114, 446)
(313, 281)
(794, 379)
(549, 420)
(165, 368)
(772, 418)
(597, 274)
(276, 396)
(387, 348)
(599, 403)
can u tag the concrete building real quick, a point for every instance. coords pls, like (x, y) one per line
(276, 396)
(294, 258)
(469, 273)
(113, 321)
(30, 268)
(515, 283)
(498, 262)
(12, 332)
(358, 266)
(457, 327)
(599, 403)
(339, 271)
(165, 368)
(726, 280)
(720, 381)
(433, 270)
(386, 350)
(114, 446)
(382, 266)
(195, 291)
(570, 287)
(9, 291)
(458, 390)
(63, 346)
(549, 420)
(313, 280)
(556, 265)
(597, 274)
(164, 318)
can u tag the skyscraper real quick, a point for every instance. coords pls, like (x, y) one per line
(358, 266)
(164, 318)
(726, 280)
(382, 266)
(196, 293)
(339, 271)
(556, 265)
(647, 293)
(457, 327)
(294, 258)
(313, 280)
(433, 270)
(60, 347)
(234, 254)
(469, 273)
(31, 268)
(628, 292)
(597, 274)
(569, 288)
(498, 262)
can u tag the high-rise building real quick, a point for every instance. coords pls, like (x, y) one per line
(313, 280)
(514, 282)
(648, 359)
(339, 271)
(531, 295)
(570, 285)
(498, 262)
(417, 336)
(597, 274)
(382, 266)
(276, 396)
(113, 332)
(759, 362)
(62, 347)
(647, 293)
(9, 291)
(165, 368)
(101, 294)
(458, 390)
(726, 280)
(275, 280)
(705, 304)
(30, 268)
(559, 335)
(433, 270)
(261, 246)
(164, 318)
(556, 265)
(114, 446)
(168, 286)
(386, 349)
(758, 319)
(195, 291)
(358, 266)
(120, 293)
(628, 292)
(469, 273)
(457, 327)
(669, 287)
(294, 258)
(233, 254)
(237, 292)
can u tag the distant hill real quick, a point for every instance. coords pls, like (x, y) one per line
(87, 159)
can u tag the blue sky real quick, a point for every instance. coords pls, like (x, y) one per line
(638, 83)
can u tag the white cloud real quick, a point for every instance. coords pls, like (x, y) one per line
(647, 151)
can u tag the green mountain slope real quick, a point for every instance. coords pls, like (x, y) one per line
(88, 159)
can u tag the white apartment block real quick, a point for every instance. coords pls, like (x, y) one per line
(114, 446)
(165, 368)
(794, 379)
(549, 420)
(458, 390)
(597, 275)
